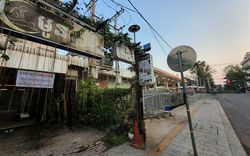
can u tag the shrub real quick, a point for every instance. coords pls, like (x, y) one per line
(103, 108)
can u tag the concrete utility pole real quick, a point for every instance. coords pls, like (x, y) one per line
(93, 9)
(209, 86)
(197, 77)
(2, 5)
(92, 61)
(117, 68)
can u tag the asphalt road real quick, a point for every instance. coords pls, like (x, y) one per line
(237, 109)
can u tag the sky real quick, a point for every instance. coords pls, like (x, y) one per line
(218, 30)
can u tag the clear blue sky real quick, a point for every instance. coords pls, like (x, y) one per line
(219, 30)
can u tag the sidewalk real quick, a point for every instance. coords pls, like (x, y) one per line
(170, 137)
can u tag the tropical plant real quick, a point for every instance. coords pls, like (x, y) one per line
(235, 76)
(102, 108)
(4, 56)
(204, 73)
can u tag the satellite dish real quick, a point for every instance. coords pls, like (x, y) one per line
(188, 58)
(181, 59)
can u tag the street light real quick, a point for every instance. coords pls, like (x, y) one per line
(139, 96)
(134, 28)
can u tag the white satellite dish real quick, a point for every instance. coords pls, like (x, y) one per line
(181, 59)
(188, 58)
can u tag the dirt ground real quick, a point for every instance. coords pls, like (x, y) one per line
(49, 140)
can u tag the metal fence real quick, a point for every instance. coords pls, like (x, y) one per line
(155, 101)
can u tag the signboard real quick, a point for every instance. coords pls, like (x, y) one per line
(24, 19)
(34, 79)
(146, 71)
(123, 53)
(147, 47)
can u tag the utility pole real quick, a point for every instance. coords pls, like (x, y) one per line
(209, 86)
(93, 9)
(92, 61)
(117, 68)
(197, 77)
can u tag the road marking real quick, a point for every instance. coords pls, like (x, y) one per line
(158, 149)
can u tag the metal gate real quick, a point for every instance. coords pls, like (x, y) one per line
(155, 101)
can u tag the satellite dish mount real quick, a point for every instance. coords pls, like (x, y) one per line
(181, 59)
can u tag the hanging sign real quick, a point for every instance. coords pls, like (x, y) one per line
(146, 73)
(34, 79)
(24, 19)
(123, 53)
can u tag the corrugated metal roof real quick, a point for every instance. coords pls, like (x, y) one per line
(160, 71)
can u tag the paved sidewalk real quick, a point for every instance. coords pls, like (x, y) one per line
(213, 133)
(170, 137)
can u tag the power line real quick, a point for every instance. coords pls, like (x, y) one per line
(118, 4)
(89, 6)
(151, 28)
(129, 17)
(150, 25)
(104, 1)
(158, 42)
(221, 64)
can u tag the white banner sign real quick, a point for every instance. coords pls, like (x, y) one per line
(146, 73)
(34, 79)
(123, 53)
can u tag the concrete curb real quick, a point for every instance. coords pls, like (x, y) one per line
(234, 142)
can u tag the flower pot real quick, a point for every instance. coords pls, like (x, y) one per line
(130, 136)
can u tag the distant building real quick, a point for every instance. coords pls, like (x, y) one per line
(246, 63)
(165, 80)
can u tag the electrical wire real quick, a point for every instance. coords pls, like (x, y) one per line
(89, 6)
(150, 25)
(159, 43)
(129, 17)
(118, 4)
(125, 8)
(109, 6)
(221, 64)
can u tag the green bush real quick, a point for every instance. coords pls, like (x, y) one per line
(102, 108)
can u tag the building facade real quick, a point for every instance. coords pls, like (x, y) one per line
(246, 65)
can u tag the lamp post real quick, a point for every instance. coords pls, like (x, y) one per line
(139, 96)
(134, 29)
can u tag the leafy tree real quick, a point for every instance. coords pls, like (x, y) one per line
(235, 77)
(204, 73)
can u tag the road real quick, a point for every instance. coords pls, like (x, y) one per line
(237, 109)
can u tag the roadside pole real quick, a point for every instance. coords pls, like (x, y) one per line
(117, 67)
(180, 59)
(186, 103)
(209, 86)
(139, 141)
